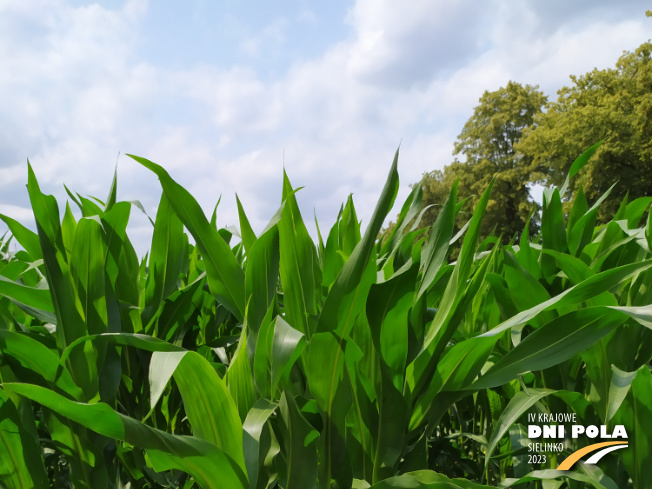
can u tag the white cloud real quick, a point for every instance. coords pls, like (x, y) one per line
(401, 44)
(21, 214)
(552, 60)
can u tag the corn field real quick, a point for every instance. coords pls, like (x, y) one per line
(236, 360)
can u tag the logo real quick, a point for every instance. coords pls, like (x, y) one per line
(607, 446)
(555, 436)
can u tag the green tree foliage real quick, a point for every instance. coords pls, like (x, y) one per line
(486, 151)
(614, 104)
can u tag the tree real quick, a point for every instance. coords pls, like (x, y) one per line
(613, 104)
(487, 144)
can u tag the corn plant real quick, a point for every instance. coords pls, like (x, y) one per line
(276, 361)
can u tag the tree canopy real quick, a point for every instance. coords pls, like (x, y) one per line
(485, 149)
(518, 138)
(614, 104)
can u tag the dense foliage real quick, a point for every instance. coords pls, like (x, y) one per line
(487, 142)
(613, 104)
(517, 138)
(278, 362)
(486, 146)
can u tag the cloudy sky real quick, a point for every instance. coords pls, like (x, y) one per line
(224, 93)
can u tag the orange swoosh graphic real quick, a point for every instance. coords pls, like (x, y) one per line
(575, 456)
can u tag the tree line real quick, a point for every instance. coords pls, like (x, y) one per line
(520, 138)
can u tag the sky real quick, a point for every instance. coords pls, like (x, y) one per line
(225, 94)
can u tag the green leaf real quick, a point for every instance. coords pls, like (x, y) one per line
(449, 313)
(122, 268)
(456, 369)
(589, 288)
(36, 298)
(82, 449)
(68, 230)
(329, 387)
(574, 268)
(520, 403)
(113, 191)
(248, 235)
(648, 231)
(526, 256)
(300, 448)
(27, 238)
(21, 464)
(239, 378)
(387, 312)
(434, 252)
(426, 479)
(261, 277)
(620, 385)
(635, 211)
(636, 415)
(298, 264)
(45, 208)
(526, 291)
(551, 344)
(553, 475)
(167, 256)
(67, 306)
(287, 345)
(363, 420)
(598, 374)
(581, 232)
(578, 164)
(263, 355)
(225, 277)
(339, 311)
(87, 266)
(39, 359)
(392, 424)
(253, 426)
(553, 230)
(178, 309)
(503, 297)
(325, 368)
(411, 207)
(209, 465)
(641, 314)
(579, 209)
(439, 330)
(209, 406)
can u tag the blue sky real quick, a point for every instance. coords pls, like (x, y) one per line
(224, 94)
